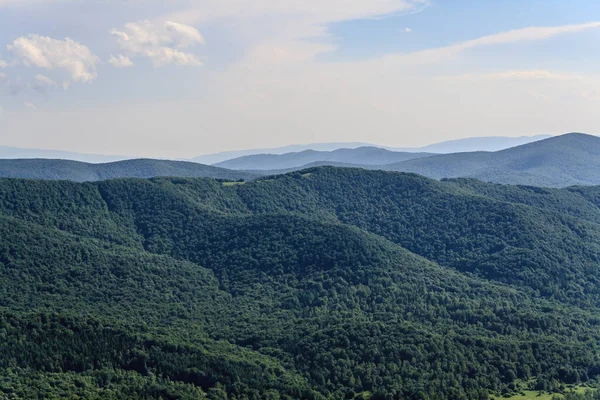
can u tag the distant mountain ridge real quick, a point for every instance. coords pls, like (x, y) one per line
(358, 156)
(560, 161)
(491, 143)
(451, 146)
(370, 155)
(140, 168)
(212, 159)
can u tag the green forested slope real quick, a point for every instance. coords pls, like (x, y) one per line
(77, 171)
(329, 283)
(533, 245)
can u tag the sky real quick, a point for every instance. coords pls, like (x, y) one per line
(180, 78)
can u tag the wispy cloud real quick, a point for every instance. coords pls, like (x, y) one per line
(514, 36)
(30, 105)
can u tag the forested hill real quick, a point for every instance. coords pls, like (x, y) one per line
(140, 168)
(327, 283)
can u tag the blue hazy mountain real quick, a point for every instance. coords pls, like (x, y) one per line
(459, 145)
(571, 159)
(216, 158)
(359, 156)
(492, 143)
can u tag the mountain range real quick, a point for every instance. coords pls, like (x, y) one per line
(452, 146)
(326, 283)
(560, 161)
(489, 143)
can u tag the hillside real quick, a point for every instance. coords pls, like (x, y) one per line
(358, 156)
(83, 172)
(571, 159)
(325, 283)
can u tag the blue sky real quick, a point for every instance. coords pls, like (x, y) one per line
(179, 78)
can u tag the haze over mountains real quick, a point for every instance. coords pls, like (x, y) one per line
(491, 143)
(451, 146)
(560, 161)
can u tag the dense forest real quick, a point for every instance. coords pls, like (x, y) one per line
(327, 283)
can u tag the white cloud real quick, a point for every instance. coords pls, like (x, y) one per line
(29, 105)
(3, 76)
(120, 61)
(45, 52)
(526, 34)
(161, 42)
(3, 64)
(407, 30)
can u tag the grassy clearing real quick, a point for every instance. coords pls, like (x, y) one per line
(232, 183)
(537, 395)
(528, 395)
